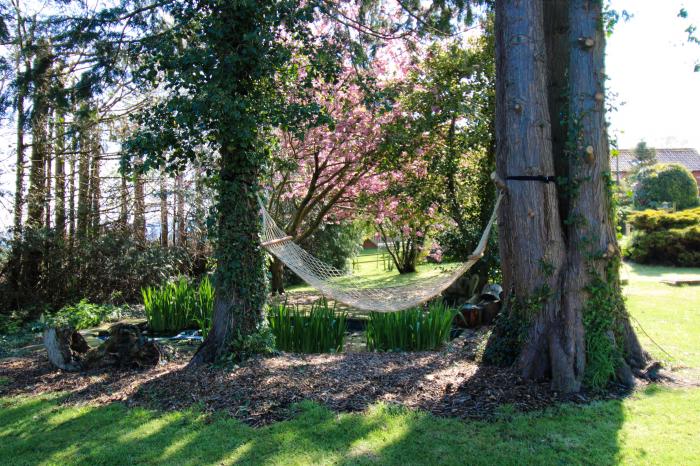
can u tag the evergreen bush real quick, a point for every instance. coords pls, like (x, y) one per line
(671, 183)
(665, 238)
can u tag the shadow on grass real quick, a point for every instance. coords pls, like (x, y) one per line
(41, 430)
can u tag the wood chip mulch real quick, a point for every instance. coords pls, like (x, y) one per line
(261, 391)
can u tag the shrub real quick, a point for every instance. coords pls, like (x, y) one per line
(410, 330)
(665, 183)
(179, 305)
(94, 269)
(655, 220)
(83, 315)
(676, 246)
(666, 238)
(321, 330)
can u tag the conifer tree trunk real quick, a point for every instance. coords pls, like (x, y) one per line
(71, 191)
(19, 163)
(60, 189)
(163, 210)
(48, 172)
(139, 204)
(123, 202)
(95, 182)
(83, 210)
(558, 248)
(39, 123)
(180, 214)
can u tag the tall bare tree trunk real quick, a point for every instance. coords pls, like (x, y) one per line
(139, 204)
(180, 214)
(19, 164)
(83, 216)
(95, 182)
(39, 122)
(163, 210)
(71, 190)
(592, 279)
(48, 174)
(123, 202)
(60, 189)
(531, 239)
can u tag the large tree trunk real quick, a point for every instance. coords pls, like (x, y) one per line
(592, 286)
(532, 242)
(558, 250)
(240, 277)
(95, 182)
(71, 191)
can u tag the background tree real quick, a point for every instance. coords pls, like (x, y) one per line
(644, 155)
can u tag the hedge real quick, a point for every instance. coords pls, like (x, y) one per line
(665, 238)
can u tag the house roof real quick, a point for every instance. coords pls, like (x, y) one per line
(625, 160)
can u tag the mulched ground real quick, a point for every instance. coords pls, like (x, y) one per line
(261, 391)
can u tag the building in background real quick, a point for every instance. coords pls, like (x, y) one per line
(624, 163)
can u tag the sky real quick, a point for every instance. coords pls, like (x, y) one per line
(650, 66)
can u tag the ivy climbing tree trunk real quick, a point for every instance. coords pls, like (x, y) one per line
(240, 277)
(565, 317)
(592, 286)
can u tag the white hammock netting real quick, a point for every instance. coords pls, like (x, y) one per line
(344, 288)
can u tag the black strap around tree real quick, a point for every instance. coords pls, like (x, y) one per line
(542, 178)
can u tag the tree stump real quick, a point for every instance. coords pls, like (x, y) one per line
(65, 346)
(124, 348)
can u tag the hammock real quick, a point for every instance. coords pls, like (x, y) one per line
(347, 289)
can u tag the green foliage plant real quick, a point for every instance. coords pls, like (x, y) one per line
(82, 315)
(671, 183)
(179, 305)
(320, 330)
(410, 330)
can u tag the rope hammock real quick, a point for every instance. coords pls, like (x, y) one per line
(347, 289)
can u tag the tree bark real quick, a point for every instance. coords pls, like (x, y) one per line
(558, 247)
(95, 182)
(593, 252)
(71, 191)
(532, 243)
(83, 215)
(240, 277)
(139, 204)
(277, 276)
(163, 210)
(60, 188)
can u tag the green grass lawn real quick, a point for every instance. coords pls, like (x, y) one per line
(655, 426)
(669, 314)
(373, 269)
(658, 426)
